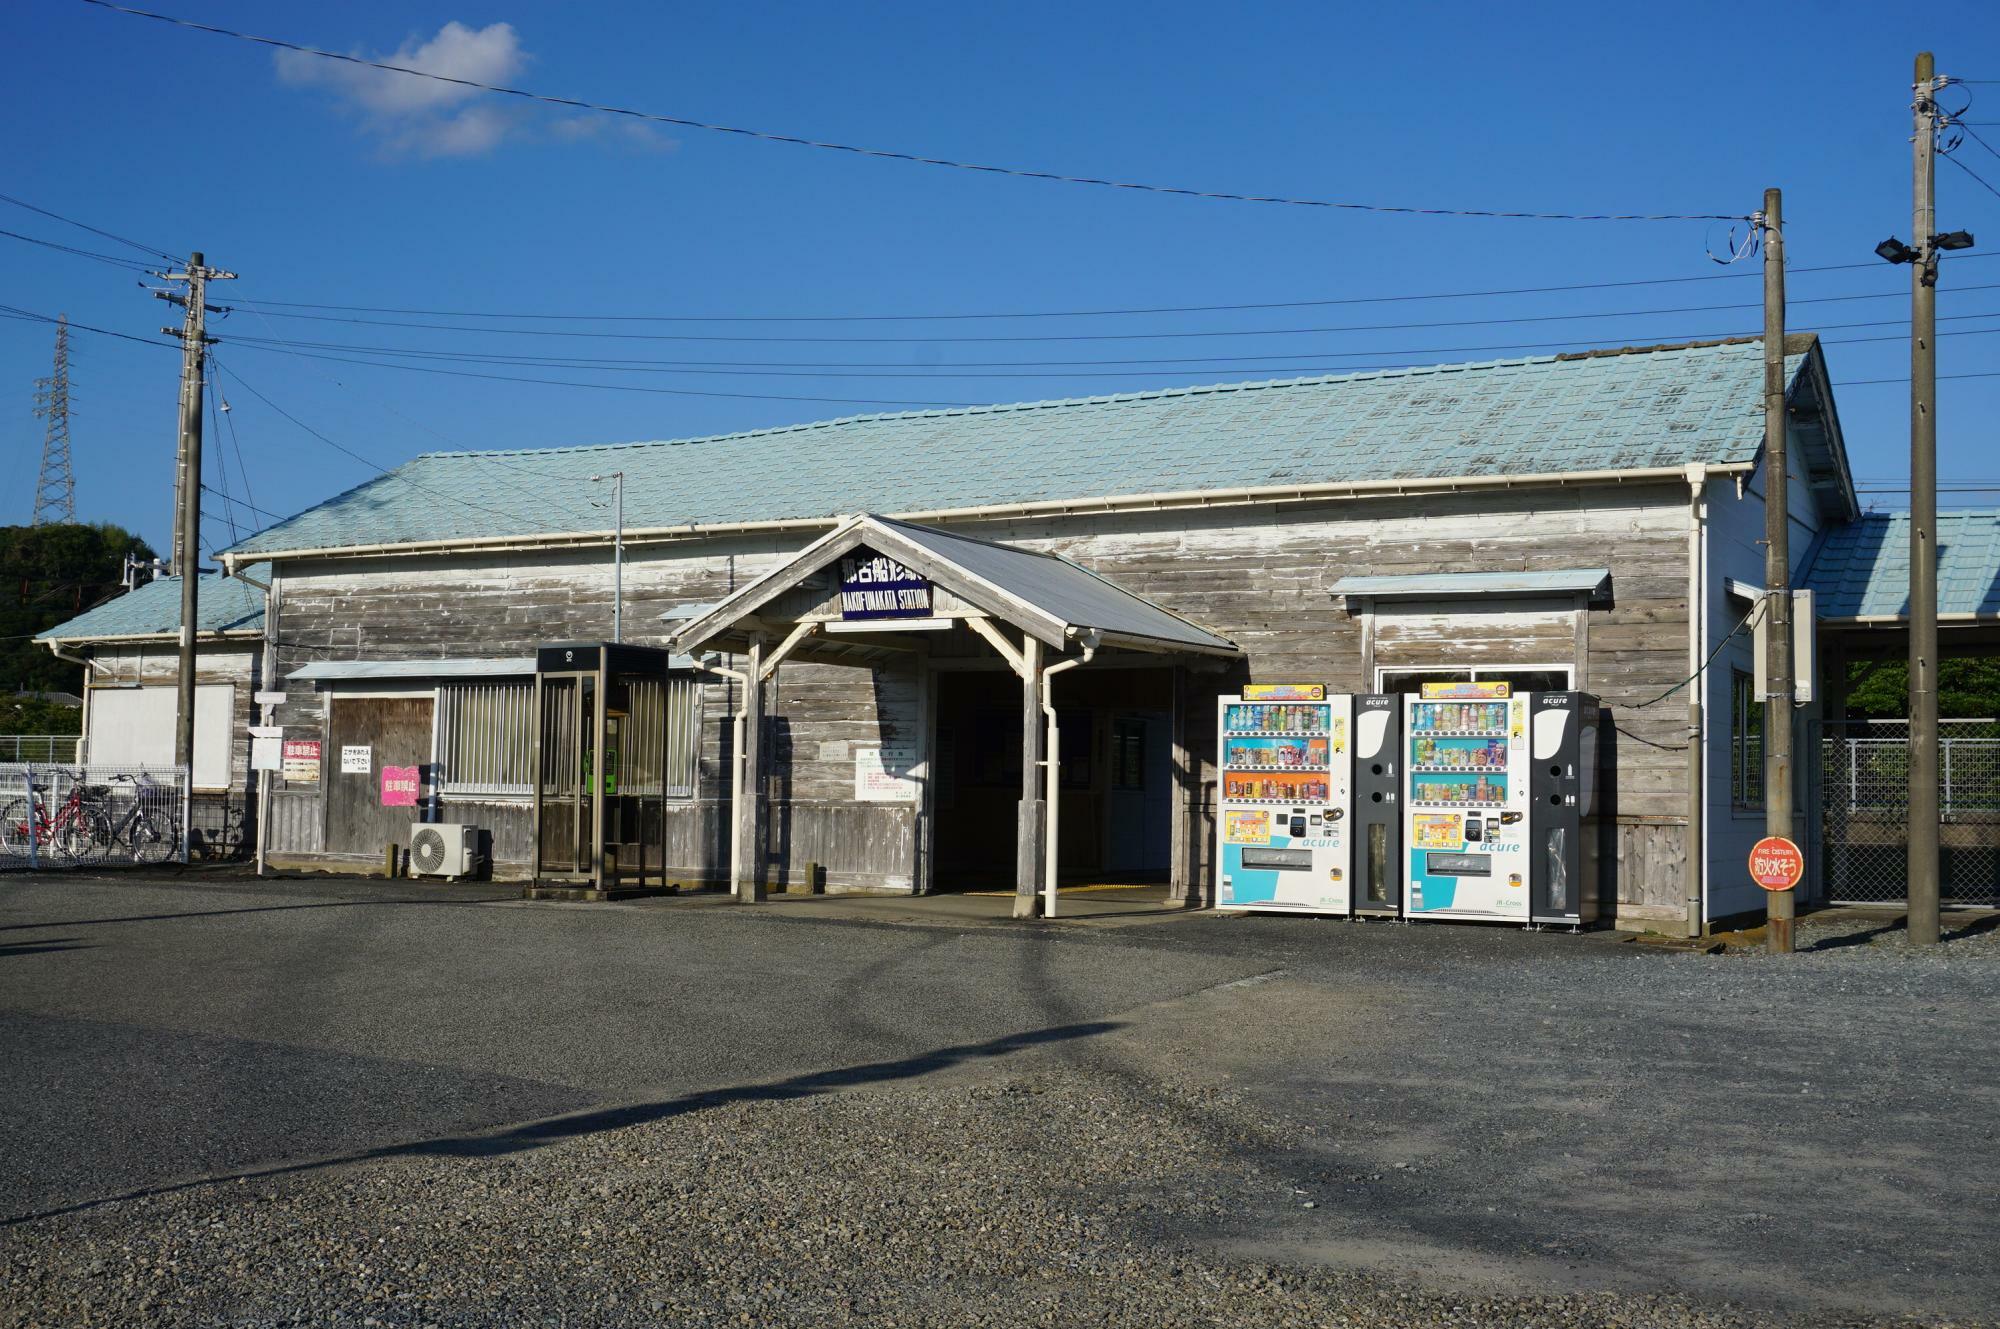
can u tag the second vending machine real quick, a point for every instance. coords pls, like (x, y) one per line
(1466, 795)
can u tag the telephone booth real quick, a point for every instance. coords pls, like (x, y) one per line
(601, 734)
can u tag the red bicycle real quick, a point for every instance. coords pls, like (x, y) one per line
(75, 829)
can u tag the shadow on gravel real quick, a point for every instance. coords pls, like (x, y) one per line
(251, 909)
(535, 1134)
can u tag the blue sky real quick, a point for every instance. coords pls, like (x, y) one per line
(324, 188)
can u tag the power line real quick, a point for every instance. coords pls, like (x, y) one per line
(85, 226)
(1016, 369)
(29, 315)
(129, 264)
(1081, 313)
(368, 462)
(274, 306)
(887, 154)
(252, 507)
(1983, 184)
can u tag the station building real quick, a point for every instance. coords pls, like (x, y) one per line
(862, 628)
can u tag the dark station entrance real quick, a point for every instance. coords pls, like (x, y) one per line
(1116, 777)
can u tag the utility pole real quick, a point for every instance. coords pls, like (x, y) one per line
(187, 507)
(1780, 906)
(55, 488)
(1923, 920)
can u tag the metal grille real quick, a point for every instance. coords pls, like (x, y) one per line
(62, 749)
(1864, 806)
(89, 816)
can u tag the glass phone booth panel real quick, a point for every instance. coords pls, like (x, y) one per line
(601, 737)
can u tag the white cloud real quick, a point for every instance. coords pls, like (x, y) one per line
(425, 118)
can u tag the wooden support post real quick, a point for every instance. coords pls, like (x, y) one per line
(1181, 857)
(749, 809)
(1033, 816)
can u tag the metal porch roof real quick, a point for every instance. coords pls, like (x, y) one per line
(1862, 569)
(1623, 410)
(1045, 594)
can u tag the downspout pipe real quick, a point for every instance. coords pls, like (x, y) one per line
(711, 664)
(1697, 839)
(89, 672)
(1052, 770)
(268, 674)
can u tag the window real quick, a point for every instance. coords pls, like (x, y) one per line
(1524, 678)
(664, 748)
(1746, 742)
(1128, 754)
(485, 738)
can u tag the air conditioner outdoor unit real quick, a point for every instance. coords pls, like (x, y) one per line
(443, 849)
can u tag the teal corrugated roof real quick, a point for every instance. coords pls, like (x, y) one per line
(1605, 411)
(222, 604)
(1862, 569)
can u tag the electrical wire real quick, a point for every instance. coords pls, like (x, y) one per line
(1983, 182)
(168, 255)
(262, 512)
(221, 465)
(1078, 313)
(251, 388)
(1640, 706)
(128, 264)
(1177, 334)
(684, 122)
(29, 315)
(352, 353)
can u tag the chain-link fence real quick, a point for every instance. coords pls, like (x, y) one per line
(89, 816)
(1864, 791)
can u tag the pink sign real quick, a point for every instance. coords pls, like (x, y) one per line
(399, 786)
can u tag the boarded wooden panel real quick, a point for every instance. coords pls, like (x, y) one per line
(397, 732)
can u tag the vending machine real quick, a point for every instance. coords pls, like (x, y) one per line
(1564, 859)
(1465, 792)
(1378, 805)
(1282, 824)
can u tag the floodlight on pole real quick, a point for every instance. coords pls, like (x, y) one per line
(1952, 240)
(1893, 250)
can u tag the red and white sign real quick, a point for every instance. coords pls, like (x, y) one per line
(399, 786)
(301, 761)
(1776, 863)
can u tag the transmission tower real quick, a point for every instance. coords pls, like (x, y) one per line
(55, 491)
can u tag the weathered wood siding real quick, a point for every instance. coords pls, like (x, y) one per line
(1258, 575)
(497, 606)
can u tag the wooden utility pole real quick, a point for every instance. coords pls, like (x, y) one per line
(1780, 906)
(187, 508)
(1923, 860)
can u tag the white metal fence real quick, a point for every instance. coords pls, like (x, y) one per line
(57, 816)
(54, 749)
(1864, 785)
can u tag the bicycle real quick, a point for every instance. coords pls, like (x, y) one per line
(76, 829)
(150, 834)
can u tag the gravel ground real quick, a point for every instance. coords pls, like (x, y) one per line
(1208, 1121)
(1872, 937)
(1046, 1199)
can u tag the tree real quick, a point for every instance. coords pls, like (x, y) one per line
(48, 575)
(1968, 688)
(32, 715)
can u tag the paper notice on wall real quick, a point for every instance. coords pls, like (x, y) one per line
(885, 774)
(268, 754)
(356, 759)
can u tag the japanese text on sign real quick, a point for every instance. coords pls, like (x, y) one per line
(872, 586)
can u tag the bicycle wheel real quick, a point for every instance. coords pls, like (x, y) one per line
(14, 828)
(153, 839)
(84, 836)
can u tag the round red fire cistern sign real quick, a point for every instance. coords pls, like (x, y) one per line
(1776, 863)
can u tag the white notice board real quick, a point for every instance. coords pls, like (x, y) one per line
(885, 774)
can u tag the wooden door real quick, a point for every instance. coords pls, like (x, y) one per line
(397, 732)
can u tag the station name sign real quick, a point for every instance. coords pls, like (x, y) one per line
(872, 587)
